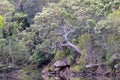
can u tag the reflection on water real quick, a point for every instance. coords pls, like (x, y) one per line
(59, 78)
(23, 78)
(79, 78)
(7, 78)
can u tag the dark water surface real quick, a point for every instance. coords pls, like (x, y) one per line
(57, 78)
(7, 78)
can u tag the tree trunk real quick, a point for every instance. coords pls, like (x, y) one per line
(68, 43)
(74, 47)
(10, 51)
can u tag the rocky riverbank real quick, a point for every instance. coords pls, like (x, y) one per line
(89, 70)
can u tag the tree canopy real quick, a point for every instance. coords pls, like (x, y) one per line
(42, 31)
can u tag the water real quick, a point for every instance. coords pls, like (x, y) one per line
(57, 78)
(7, 78)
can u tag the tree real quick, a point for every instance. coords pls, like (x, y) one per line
(7, 12)
(60, 23)
(1, 21)
(110, 33)
(53, 25)
(1, 25)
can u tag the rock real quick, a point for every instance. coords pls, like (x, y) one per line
(44, 72)
(114, 60)
(117, 68)
(116, 56)
(102, 69)
(92, 67)
(1, 65)
(61, 64)
(108, 73)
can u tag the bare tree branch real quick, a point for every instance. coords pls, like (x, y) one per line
(72, 46)
(67, 33)
(66, 41)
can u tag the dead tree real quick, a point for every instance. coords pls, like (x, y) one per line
(66, 41)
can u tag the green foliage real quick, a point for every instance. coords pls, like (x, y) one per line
(59, 54)
(112, 44)
(70, 59)
(1, 21)
(97, 24)
(1, 24)
(81, 62)
(91, 23)
(103, 56)
(83, 39)
(6, 8)
(20, 53)
(67, 52)
(111, 25)
(77, 13)
(3, 42)
(114, 19)
(4, 50)
(77, 68)
(19, 17)
(39, 56)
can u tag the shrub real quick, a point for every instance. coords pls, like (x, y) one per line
(59, 54)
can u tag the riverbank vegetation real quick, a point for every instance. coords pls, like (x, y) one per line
(36, 33)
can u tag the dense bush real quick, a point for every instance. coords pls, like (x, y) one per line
(87, 30)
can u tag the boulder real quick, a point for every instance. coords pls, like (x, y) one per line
(116, 56)
(61, 64)
(117, 67)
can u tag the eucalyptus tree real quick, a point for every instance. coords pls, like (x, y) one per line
(65, 23)
(110, 33)
(6, 29)
(54, 26)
